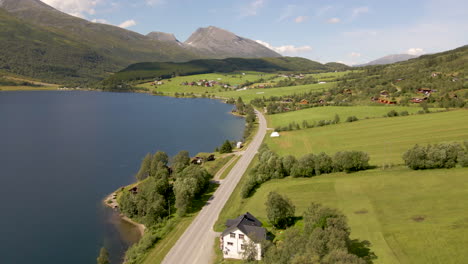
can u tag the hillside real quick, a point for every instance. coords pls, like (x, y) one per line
(440, 79)
(39, 41)
(141, 72)
(389, 59)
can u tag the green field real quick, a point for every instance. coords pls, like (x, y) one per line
(251, 94)
(174, 85)
(385, 139)
(329, 112)
(408, 216)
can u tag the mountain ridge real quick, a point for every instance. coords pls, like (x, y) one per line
(112, 48)
(389, 59)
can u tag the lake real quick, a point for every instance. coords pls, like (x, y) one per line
(61, 153)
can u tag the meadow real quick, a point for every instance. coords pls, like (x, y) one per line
(316, 114)
(384, 139)
(174, 86)
(408, 216)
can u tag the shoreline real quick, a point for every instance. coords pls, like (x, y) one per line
(111, 202)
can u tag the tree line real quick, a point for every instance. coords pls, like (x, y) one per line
(446, 155)
(272, 166)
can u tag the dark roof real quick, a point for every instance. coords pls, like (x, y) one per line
(248, 224)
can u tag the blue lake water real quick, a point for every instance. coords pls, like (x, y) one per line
(61, 153)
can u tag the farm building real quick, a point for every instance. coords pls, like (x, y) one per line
(275, 134)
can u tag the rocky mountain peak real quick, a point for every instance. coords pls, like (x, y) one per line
(162, 36)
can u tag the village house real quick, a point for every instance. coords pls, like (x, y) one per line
(426, 91)
(239, 233)
(304, 102)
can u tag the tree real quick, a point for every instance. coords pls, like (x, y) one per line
(349, 161)
(103, 256)
(250, 251)
(280, 210)
(159, 161)
(180, 161)
(226, 147)
(145, 168)
(337, 119)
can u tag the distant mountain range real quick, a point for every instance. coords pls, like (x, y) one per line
(389, 59)
(39, 41)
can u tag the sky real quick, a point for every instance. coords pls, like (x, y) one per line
(347, 31)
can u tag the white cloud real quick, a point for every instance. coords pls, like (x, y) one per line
(355, 55)
(358, 11)
(128, 23)
(78, 8)
(333, 20)
(154, 2)
(415, 51)
(100, 20)
(300, 19)
(286, 49)
(253, 7)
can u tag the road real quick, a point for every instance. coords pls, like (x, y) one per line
(196, 245)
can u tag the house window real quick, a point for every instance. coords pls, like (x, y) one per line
(243, 247)
(241, 236)
(233, 235)
(230, 244)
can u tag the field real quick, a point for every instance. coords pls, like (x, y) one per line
(328, 113)
(174, 86)
(251, 94)
(385, 139)
(408, 216)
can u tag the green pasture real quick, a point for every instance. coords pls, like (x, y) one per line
(174, 85)
(385, 139)
(316, 114)
(408, 216)
(250, 94)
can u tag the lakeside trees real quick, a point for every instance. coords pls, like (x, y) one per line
(103, 256)
(160, 187)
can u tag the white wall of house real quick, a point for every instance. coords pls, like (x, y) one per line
(232, 246)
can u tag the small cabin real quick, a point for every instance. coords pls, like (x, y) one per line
(304, 102)
(275, 134)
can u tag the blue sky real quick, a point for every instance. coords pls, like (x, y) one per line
(350, 31)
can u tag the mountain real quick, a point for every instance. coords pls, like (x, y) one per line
(141, 72)
(219, 43)
(337, 66)
(390, 59)
(161, 36)
(41, 42)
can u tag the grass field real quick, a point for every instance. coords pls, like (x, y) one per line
(385, 139)
(174, 86)
(250, 94)
(408, 216)
(328, 113)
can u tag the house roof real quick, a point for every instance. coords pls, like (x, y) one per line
(248, 224)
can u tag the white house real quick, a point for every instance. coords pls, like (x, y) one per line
(239, 233)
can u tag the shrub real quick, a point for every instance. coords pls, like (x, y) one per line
(435, 156)
(349, 161)
(392, 113)
(352, 119)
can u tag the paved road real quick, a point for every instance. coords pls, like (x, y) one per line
(196, 244)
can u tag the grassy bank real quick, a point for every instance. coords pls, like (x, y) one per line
(406, 215)
(316, 114)
(385, 139)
